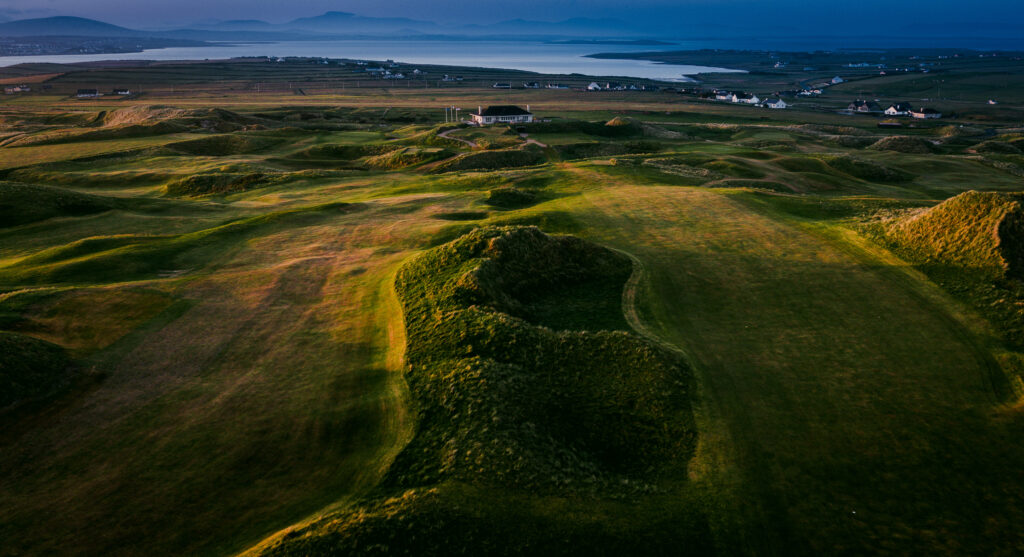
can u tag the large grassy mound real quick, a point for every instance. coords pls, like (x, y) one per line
(903, 144)
(864, 169)
(493, 160)
(335, 151)
(409, 156)
(24, 203)
(225, 145)
(594, 149)
(30, 369)
(216, 183)
(996, 148)
(983, 231)
(541, 424)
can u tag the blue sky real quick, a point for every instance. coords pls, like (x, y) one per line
(826, 16)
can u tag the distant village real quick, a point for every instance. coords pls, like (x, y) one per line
(391, 70)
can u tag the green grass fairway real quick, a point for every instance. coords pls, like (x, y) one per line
(854, 412)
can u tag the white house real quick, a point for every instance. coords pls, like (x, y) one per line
(745, 98)
(775, 103)
(502, 86)
(502, 115)
(87, 93)
(898, 109)
(723, 96)
(593, 86)
(837, 80)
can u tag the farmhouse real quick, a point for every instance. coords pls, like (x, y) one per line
(12, 89)
(926, 113)
(122, 91)
(593, 86)
(531, 85)
(558, 86)
(775, 103)
(723, 96)
(502, 86)
(837, 80)
(502, 114)
(87, 93)
(898, 109)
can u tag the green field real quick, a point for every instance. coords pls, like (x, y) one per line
(242, 322)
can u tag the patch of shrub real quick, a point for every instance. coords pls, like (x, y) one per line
(213, 184)
(404, 158)
(511, 198)
(462, 215)
(734, 168)
(864, 169)
(493, 160)
(903, 144)
(676, 167)
(600, 129)
(755, 184)
(336, 151)
(996, 148)
(802, 164)
(225, 145)
(573, 151)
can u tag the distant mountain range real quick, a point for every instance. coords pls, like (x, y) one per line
(328, 25)
(65, 26)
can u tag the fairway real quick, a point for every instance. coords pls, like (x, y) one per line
(829, 382)
(284, 404)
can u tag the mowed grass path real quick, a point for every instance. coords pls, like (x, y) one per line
(842, 412)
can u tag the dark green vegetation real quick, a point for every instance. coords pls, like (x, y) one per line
(525, 391)
(30, 369)
(328, 323)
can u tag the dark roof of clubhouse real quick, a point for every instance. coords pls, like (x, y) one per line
(504, 110)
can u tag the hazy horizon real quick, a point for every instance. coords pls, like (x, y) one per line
(868, 17)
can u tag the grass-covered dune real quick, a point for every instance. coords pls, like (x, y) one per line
(493, 160)
(25, 203)
(979, 231)
(541, 424)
